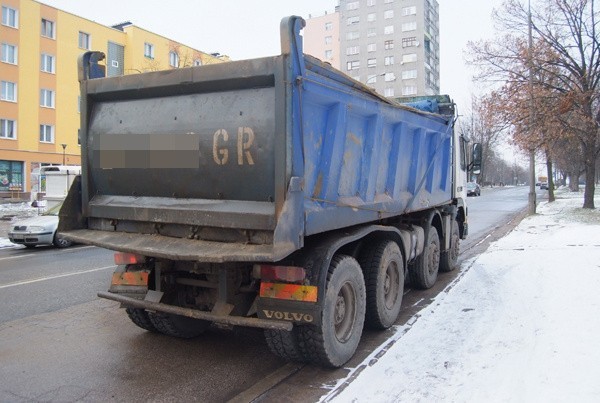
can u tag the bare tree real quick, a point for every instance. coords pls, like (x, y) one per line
(566, 68)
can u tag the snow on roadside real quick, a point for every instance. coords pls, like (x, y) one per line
(521, 324)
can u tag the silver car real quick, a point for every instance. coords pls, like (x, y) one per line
(40, 230)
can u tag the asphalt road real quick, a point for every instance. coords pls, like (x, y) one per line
(59, 342)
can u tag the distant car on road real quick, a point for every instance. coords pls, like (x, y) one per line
(544, 185)
(473, 189)
(40, 230)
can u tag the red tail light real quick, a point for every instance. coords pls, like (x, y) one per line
(290, 274)
(128, 258)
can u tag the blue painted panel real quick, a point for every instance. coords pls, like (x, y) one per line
(367, 158)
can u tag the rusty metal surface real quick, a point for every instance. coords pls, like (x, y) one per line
(175, 248)
(196, 314)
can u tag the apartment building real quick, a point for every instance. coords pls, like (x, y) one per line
(39, 98)
(322, 37)
(390, 45)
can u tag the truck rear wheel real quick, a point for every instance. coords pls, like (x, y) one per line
(423, 273)
(383, 268)
(178, 326)
(140, 318)
(333, 342)
(285, 344)
(449, 258)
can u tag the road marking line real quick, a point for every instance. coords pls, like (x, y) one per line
(35, 254)
(36, 280)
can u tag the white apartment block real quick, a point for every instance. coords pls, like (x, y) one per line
(322, 38)
(390, 45)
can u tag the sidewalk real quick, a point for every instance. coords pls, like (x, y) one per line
(520, 324)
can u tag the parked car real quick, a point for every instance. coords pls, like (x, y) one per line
(39, 230)
(544, 185)
(473, 189)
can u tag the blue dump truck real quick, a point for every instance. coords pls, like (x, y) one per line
(275, 193)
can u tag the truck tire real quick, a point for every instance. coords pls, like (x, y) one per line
(449, 258)
(383, 269)
(334, 340)
(178, 326)
(424, 271)
(140, 318)
(285, 344)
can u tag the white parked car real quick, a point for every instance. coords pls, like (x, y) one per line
(40, 230)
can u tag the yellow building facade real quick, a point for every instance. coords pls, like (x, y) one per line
(39, 98)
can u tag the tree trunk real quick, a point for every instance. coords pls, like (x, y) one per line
(551, 197)
(590, 176)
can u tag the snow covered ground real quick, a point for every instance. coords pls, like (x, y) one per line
(521, 324)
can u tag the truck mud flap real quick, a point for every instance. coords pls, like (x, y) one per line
(196, 314)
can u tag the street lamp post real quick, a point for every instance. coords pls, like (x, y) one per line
(532, 196)
(64, 146)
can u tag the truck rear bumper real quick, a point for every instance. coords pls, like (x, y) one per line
(177, 248)
(196, 314)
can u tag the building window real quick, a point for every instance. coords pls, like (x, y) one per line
(353, 65)
(388, 61)
(149, 50)
(390, 77)
(388, 92)
(8, 129)
(408, 74)
(10, 17)
(328, 54)
(328, 40)
(47, 63)
(372, 47)
(197, 62)
(9, 91)
(352, 35)
(353, 5)
(409, 42)
(11, 175)
(85, 41)
(412, 10)
(47, 98)
(328, 26)
(352, 50)
(409, 26)
(409, 90)
(173, 59)
(371, 17)
(387, 14)
(371, 32)
(388, 30)
(9, 53)
(388, 44)
(47, 28)
(371, 3)
(371, 62)
(353, 20)
(409, 58)
(46, 134)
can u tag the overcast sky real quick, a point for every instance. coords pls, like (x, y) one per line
(246, 29)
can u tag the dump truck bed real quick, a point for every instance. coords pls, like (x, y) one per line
(241, 161)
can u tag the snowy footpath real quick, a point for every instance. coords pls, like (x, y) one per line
(521, 324)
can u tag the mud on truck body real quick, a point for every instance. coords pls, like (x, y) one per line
(275, 193)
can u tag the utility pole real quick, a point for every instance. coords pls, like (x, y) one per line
(532, 195)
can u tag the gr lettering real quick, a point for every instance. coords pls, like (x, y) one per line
(245, 141)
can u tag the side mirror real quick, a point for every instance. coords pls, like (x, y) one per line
(476, 158)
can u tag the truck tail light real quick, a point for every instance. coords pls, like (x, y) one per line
(128, 258)
(289, 274)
